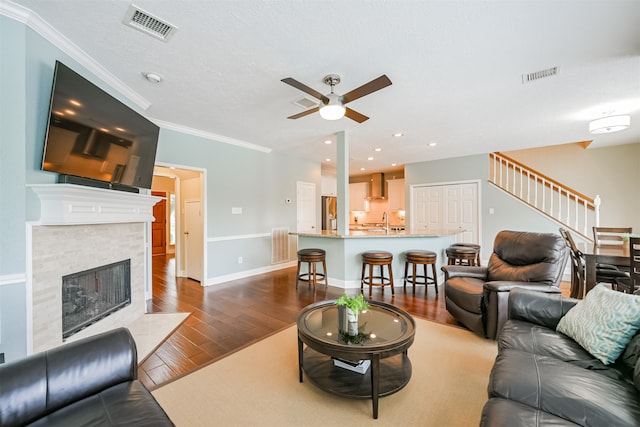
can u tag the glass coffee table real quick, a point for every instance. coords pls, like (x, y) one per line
(385, 334)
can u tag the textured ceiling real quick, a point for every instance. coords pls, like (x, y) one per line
(456, 68)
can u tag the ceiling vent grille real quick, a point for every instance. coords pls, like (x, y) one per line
(306, 103)
(542, 74)
(149, 24)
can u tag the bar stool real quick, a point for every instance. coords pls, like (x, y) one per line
(460, 255)
(470, 245)
(380, 259)
(424, 258)
(312, 257)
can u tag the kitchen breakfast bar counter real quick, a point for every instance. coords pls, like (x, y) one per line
(344, 263)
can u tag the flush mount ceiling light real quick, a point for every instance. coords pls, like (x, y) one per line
(153, 77)
(609, 124)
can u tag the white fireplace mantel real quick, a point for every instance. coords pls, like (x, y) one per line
(69, 204)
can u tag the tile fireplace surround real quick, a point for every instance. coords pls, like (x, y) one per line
(81, 228)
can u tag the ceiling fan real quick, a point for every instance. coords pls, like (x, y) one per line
(333, 107)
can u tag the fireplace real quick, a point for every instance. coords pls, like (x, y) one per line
(90, 295)
(79, 229)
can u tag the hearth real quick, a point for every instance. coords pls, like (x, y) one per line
(91, 295)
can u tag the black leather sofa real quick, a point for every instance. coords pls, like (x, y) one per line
(87, 382)
(544, 378)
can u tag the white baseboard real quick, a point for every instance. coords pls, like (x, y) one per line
(248, 273)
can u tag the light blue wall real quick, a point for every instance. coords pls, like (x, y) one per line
(12, 190)
(509, 214)
(257, 182)
(236, 177)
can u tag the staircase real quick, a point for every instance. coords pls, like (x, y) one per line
(567, 207)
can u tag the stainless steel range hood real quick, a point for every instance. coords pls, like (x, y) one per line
(377, 187)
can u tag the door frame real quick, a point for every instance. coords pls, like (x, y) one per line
(478, 184)
(179, 264)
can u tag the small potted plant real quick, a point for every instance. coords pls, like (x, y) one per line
(352, 307)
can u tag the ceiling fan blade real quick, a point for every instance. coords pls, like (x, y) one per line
(367, 88)
(304, 113)
(354, 115)
(301, 86)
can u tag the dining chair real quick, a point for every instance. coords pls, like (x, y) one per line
(610, 235)
(631, 284)
(605, 273)
(577, 266)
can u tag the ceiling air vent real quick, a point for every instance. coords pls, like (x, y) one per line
(542, 74)
(149, 24)
(306, 103)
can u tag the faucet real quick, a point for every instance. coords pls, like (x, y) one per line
(385, 219)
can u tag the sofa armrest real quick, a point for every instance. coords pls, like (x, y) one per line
(496, 302)
(476, 272)
(543, 309)
(33, 387)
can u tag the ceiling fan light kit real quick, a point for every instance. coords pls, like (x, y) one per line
(333, 107)
(334, 110)
(609, 124)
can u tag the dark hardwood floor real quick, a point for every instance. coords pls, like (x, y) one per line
(228, 317)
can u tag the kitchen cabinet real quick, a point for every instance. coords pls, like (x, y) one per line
(358, 193)
(395, 194)
(328, 185)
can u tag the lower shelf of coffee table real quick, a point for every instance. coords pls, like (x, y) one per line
(319, 369)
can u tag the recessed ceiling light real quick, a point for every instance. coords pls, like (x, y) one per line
(377, 150)
(362, 169)
(394, 164)
(369, 158)
(433, 144)
(398, 135)
(328, 141)
(327, 160)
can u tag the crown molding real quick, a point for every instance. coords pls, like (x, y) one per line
(209, 135)
(40, 26)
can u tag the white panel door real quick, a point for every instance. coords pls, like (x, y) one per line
(194, 240)
(306, 207)
(469, 217)
(447, 207)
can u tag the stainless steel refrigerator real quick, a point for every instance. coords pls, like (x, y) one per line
(329, 218)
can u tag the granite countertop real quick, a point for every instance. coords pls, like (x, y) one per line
(377, 234)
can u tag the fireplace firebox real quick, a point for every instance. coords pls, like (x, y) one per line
(91, 295)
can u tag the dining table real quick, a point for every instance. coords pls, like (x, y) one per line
(617, 255)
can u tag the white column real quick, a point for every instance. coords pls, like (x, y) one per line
(342, 177)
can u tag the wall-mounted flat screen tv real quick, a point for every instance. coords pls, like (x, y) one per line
(93, 136)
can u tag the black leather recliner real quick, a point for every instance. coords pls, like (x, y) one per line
(478, 296)
(88, 382)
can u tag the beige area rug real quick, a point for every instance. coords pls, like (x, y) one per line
(258, 386)
(150, 330)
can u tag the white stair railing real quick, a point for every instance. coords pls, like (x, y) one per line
(565, 205)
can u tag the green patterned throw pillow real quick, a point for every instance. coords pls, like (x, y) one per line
(603, 323)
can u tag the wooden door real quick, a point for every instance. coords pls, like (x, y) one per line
(159, 225)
